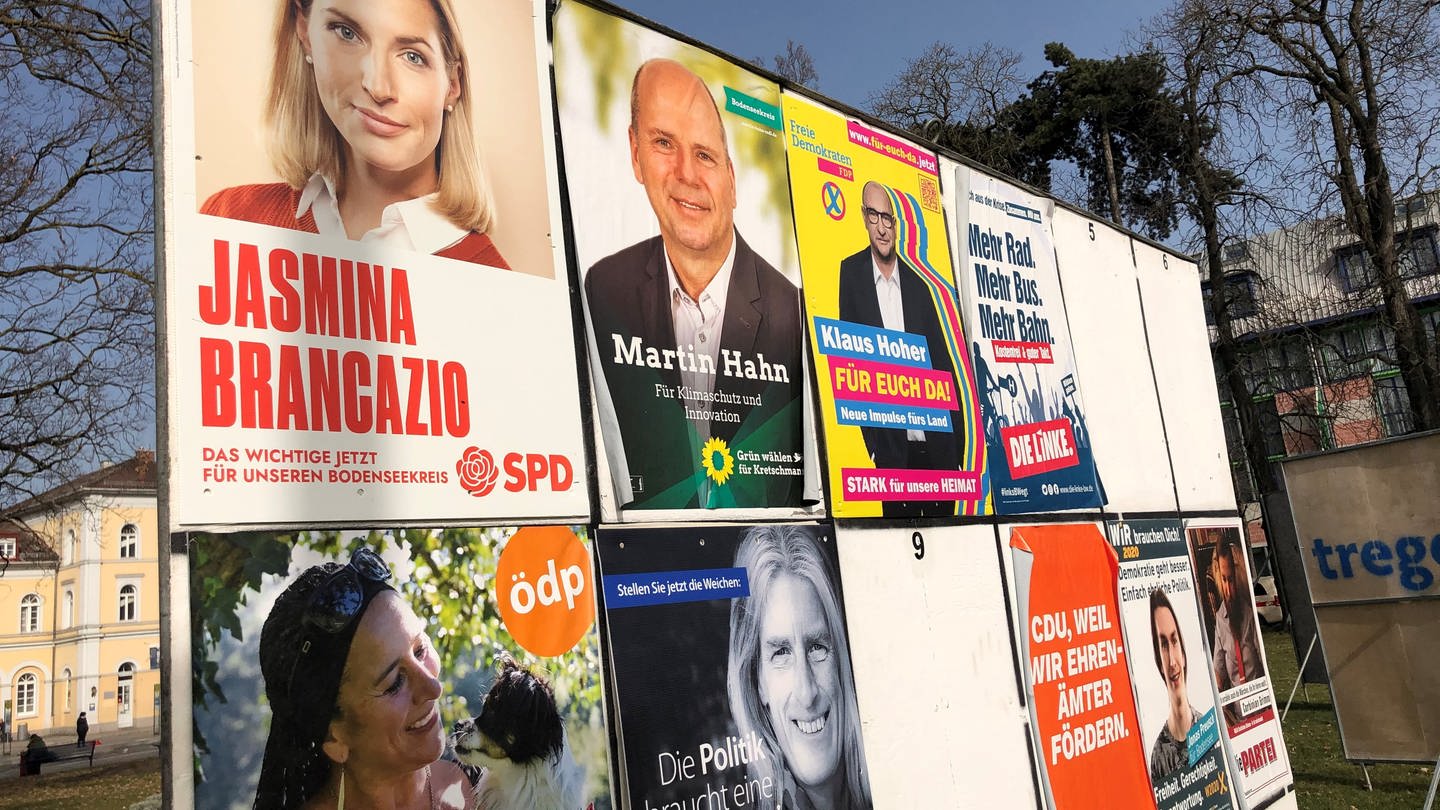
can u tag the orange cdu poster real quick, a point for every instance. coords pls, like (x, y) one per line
(1081, 702)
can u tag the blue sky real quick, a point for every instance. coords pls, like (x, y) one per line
(850, 67)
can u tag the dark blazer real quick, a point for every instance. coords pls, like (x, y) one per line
(628, 294)
(860, 304)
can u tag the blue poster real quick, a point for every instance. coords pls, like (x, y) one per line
(1033, 414)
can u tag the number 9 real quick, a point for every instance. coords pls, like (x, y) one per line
(918, 542)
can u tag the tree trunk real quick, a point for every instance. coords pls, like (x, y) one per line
(1227, 348)
(1209, 188)
(1333, 56)
(1112, 183)
(1227, 357)
(1370, 212)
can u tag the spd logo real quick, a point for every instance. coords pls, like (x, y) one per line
(544, 588)
(478, 472)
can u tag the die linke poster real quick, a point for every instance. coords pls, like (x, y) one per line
(338, 355)
(1091, 751)
(1029, 392)
(896, 391)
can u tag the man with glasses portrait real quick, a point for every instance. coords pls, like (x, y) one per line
(879, 288)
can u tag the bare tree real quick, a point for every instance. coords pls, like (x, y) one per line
(945, 86)
(1299, 352)
(967, 102)
(76, 244)
(1356, 82)
(1212, 178)
(795, 64)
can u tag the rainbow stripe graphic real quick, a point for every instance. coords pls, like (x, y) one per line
(913, 241)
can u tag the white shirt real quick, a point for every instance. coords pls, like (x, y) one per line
(697, 329)
(409, 225)
(698, 322)
(892, 313)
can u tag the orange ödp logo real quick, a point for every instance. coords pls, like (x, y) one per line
(543, 586)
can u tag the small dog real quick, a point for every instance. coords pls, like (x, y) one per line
(519, 742)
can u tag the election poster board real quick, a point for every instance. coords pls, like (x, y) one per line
(337, 355)
(1250, 718)
(960, 672)
(1175, 696)
(454, 607)
(1107, 333)
(731, 667)
(1036, 432)
(1185, 378)
(1368, 526)
(1081, 703)
(688, 264)
(897, 394)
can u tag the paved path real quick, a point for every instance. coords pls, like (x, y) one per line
(115, 746)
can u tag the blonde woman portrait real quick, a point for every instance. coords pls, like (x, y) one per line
(373, 124)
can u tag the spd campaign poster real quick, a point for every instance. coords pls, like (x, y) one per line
(1082, 708)
(688, 266)
(1180, 724)
(1034, 419)
(730, 667)
(340, 351)
(507, 620)
(1251, 721)
(897, 397)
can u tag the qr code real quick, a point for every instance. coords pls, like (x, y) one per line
(929, 193)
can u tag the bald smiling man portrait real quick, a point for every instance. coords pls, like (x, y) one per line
(697, 336)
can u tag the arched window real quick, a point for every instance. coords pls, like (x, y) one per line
(67, 618)
(25, 694)
(129, 541)
(127, 603)
(127, 671)
(70, 546)
(65, 676)
(30, 613)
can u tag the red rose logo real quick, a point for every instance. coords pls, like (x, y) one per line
(477, 471)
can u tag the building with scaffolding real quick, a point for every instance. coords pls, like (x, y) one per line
(1316, 348)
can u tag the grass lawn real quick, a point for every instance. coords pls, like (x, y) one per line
(112, 787)
(1323, 778)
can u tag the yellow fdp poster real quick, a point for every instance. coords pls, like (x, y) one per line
(896, 386)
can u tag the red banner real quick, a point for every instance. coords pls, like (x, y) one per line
(1039, 447)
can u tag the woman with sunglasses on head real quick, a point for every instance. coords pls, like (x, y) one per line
(352, 682)
(369, 127)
